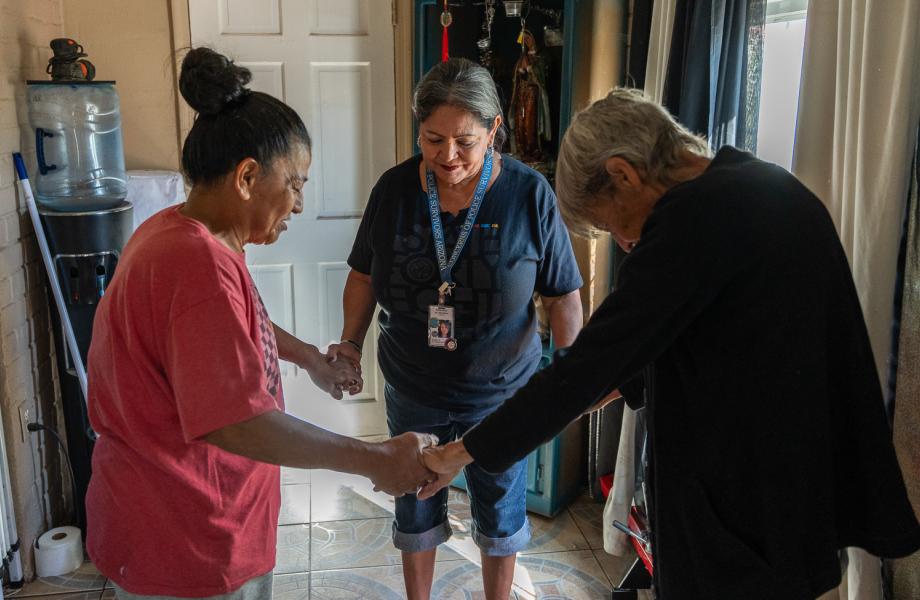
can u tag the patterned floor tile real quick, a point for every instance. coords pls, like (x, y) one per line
(295, 504)
(551, 576)
(379, 583)
(364, 543)
(351, 544)
(342, 497)
(293, 554)
(616, 567)
(86, 578)
(559, 534)
(589, 516)
(291, 587)
(548, 535)
(290, 476)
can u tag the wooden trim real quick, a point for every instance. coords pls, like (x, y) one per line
(403, 29)
(181, 32)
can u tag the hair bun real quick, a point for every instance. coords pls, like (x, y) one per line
(209, 81)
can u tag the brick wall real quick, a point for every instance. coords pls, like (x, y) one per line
(28, 378)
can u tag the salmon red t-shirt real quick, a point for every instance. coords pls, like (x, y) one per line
(182, 346)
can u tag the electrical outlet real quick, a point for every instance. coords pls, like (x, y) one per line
(25, 417)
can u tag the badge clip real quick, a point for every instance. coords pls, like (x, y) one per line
(444, 291)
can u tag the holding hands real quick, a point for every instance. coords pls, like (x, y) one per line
(398, 469)
(332, 376)
(347, 352)
(445, 462)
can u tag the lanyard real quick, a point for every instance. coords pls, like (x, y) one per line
(437, 231)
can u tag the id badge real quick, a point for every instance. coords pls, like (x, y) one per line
(441, 327)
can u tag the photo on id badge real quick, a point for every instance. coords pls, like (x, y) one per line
(441, 327)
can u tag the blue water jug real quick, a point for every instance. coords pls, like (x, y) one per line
(81, 162)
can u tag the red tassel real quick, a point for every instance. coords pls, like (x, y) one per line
(445, 54)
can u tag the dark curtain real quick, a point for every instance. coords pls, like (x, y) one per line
(604, 425)
(640, 29)
(714, 70)
(905, 404)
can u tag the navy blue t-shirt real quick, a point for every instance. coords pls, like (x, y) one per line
(519, 245)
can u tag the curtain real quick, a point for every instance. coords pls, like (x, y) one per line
(639, 32)
(654, 29)
(906, 572)
(659, 48)
(713, 78)
(859, 96)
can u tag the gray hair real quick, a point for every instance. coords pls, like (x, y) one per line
(625, 124)
(464, 84)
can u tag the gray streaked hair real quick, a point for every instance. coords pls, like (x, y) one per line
(626, 124)
(463, 84)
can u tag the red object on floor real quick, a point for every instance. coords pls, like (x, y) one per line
(606, 484)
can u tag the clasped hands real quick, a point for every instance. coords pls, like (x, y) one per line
(332, 372)
(413, 463)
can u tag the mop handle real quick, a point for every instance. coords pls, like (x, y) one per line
(69, 336)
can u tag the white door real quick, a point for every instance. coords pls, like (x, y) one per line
(332, 61)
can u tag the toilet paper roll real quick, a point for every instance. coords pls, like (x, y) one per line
(58, 551)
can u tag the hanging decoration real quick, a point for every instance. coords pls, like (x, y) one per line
(513, 8)
(446, 20)
(485, 42)
(529, 111)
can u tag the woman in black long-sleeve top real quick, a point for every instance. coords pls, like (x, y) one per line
(770, 449)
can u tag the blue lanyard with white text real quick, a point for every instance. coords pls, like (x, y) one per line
(437, 231)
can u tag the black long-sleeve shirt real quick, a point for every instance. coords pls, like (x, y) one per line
(770, 448)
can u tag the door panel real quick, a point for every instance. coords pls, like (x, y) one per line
(332, 61)
(342, 126)
(267, 77)
(249, 16)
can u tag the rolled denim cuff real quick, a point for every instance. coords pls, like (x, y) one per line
(420, 542)
(505, 546)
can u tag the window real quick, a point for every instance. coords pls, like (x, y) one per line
(783, 45)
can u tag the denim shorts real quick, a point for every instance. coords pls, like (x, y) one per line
(498, 501)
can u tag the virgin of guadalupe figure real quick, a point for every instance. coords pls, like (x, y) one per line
(529, 114)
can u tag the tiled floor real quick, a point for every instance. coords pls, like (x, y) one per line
(334, 544)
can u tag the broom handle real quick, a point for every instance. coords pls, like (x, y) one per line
(69, 336)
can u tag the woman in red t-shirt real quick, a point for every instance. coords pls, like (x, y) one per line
(184, 384)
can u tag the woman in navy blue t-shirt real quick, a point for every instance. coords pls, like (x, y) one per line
(452, 246)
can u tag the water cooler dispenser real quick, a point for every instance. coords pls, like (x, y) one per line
(80, 188)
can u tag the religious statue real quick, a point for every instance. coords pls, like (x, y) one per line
(529, 113)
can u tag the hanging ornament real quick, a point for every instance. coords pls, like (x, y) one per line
(485, 42)
(513, 8)
(446, 20)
